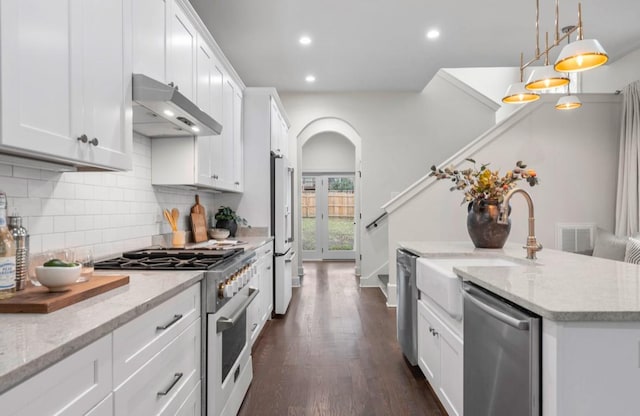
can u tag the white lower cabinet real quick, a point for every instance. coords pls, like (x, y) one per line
(192, 406)
(104, 408)
(440, 357)
(73, 386)
(259, 311)
(162, 385)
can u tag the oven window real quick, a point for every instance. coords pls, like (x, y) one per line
(233, 341)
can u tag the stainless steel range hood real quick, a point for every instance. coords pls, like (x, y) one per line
(160, 110)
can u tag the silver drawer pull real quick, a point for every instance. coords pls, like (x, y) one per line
(253, 328)
(267, 252)
(176, 378)
(225, 323)
(175, 319)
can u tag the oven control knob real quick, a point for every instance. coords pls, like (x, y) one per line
(228, 291)
(221, 290)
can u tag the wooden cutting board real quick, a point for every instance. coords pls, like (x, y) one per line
(38, 299)
(198, 227)
(199, 209)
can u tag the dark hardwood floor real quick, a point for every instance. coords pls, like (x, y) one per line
(335, 353)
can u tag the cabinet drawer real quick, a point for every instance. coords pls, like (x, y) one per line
(72, 386)
(163, 384)
(265, 250)
(193, 404)
(104, 408)
(138, 341)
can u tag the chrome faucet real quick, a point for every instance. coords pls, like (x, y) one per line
(503, 218)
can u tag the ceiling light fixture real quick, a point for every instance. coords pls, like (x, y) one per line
(310, 78)
(304, 40)
(517, 93)
(433, 34)
(586, 55)
(568, 102)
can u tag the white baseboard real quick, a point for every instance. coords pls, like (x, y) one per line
(392, 295)
(296, 281)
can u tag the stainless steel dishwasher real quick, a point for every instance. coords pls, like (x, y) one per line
(502, 362)
(407, 310)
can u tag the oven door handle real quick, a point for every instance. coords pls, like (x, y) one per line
(225, 323)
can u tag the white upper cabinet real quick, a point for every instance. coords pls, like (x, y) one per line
(279, 131)
(65, 81)
(195, 65)
(181, 53)
(150, 21)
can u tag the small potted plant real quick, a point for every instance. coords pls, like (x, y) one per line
(227, 218)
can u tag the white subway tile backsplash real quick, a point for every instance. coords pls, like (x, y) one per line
(74, 207)
(14, 187)
(40, 225)
(74, 239)
(52, 207)
(64, 223)
(110, 211)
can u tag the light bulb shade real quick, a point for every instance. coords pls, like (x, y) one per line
(568, 102)
(580, 56)
(518, 94)
(545, 78)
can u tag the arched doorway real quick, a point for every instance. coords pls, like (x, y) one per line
(324, 134)
(327, 203)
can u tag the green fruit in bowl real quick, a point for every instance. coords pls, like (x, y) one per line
(59, 263)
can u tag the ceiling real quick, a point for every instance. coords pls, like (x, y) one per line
(378, 45)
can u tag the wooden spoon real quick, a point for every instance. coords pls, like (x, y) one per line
(169, 218)
(175, 214)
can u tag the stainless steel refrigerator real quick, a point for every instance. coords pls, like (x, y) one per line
(282, 230)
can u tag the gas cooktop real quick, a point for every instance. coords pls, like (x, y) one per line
(169, 259)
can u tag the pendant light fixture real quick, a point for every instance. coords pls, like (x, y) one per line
(578, 56)
(546, 77)
(582, 54)
(568, 102)
(517, 93)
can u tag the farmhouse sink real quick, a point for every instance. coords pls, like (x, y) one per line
(436, 279)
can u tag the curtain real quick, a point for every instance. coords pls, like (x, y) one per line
(628, 192)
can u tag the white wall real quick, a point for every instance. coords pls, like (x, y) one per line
(402, 133)
(328, 152)
(575, 154)
(613, 76)
(111, 212)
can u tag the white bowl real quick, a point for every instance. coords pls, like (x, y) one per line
(218, 233)
(58, 279)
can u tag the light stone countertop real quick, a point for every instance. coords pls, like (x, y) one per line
(559, 286)
(29, 343)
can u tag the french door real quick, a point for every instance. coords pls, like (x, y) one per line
(328, 217)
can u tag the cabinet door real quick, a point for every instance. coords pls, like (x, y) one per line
(275, 127)
(150, 18)
(238, 143)
(106, 95)
(66, 69)
(284, 137)
(429, 344)
(181, 53)
(37, 77)
(266, 274)
(451, 381)
(104, 408)
(226, 143)
(204, 95)
(72, 386)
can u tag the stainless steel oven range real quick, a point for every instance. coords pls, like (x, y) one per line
(227, 365)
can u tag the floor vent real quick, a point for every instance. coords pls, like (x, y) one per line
(576, 238)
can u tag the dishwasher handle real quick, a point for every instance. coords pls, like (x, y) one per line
(499, 315)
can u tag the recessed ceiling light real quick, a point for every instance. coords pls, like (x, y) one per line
(195, 128)
(305, 40)
(433, 34)
(310, 78)
(168, 113)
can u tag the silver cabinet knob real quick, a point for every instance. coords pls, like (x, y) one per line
(94, 141)
(237, 183)
(83, 138)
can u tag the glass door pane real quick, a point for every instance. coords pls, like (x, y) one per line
(309, 217)
(341, 227)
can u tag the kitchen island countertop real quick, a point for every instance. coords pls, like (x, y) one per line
(559, 286)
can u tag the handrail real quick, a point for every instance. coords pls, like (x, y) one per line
(374, 223)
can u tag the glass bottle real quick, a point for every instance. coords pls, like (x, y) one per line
(7, 253)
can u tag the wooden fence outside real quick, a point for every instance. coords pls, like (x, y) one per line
(341, 204)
